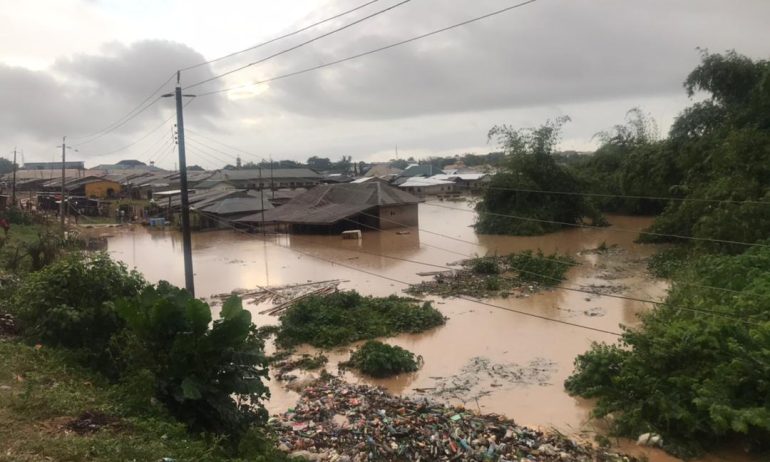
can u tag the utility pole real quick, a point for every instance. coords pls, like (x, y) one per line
(186, 236)
(64, 148)
(13, 187)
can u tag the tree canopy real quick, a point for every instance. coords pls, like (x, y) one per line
(511, 203)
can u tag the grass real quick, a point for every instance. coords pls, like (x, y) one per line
(41, 391)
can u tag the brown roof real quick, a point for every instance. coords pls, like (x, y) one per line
(328, 204)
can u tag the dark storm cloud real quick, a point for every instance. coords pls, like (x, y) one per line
(551, 52)
(85, 93)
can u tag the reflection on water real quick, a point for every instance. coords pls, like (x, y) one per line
(226, 260)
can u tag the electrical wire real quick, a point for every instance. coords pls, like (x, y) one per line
(315, 24)
(366, 53)
(555, 286)
(616, 229)
(130, 115)
(568, 288)
(624, 196)
(299, 45)
(388, 278)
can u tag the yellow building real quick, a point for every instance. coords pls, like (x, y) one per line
(102, 189)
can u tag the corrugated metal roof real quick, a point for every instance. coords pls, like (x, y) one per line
(254, 174)
(327, 204)
(232, 205)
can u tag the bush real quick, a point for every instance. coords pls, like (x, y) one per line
(538, 267)
(67, 304)
(695, 378)
(485, 266)
(381, 360)
(345, 317)
(667, 262)
(209, 375)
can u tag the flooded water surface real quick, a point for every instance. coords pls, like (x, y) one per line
(508, 362)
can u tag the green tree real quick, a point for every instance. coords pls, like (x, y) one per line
(529, 167)
(322, 164)
(6, 166)
(722, 146)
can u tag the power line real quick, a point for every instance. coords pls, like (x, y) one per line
(287, 50)
(616, 229)
(130, 115)
(211, 148)
(142, 138)
(623, 196)
(315, 24)
(366, 53)
(388, 278)
(555, 286)
(622, 297)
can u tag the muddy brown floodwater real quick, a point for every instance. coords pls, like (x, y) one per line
(502, 361)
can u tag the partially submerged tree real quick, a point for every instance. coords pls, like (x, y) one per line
(514, 203)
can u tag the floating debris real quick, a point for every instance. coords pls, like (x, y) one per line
(479, 375)
(281, 297)
(338, 421)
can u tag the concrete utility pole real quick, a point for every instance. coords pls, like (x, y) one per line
(13, 187)
(186, 236)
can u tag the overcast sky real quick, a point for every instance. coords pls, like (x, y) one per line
(74, 67)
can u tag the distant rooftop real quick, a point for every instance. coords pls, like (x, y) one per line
(73, 164)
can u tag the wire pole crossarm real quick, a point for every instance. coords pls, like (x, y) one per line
(186, 236)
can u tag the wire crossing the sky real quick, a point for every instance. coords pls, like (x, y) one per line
(290, 34)
(366, 53)
(300, 45)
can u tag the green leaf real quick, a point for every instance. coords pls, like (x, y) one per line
(231, 307)
(191, 389)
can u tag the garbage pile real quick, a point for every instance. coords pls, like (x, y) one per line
(338, 421)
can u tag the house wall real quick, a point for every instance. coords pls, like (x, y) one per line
(398, 216)
(101, 189)
(430, 190)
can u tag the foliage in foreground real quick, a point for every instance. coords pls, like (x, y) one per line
(33, 414)
(68, 304)
(382, 360)
(346, 316)
(159, 340)
(208, 375)
(509, 205)
(695, 378)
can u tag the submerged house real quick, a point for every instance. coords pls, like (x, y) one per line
(427, 186)
(215, 208)
(338, 207)
(465, 181)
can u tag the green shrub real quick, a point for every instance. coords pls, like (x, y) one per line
(485, 265)
(209, 375)
(346, 316)
(694, 377)
(67, 303)
(382, 360)
(666, 263)
(540, 268)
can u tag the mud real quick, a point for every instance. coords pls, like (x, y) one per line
(472, 330)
